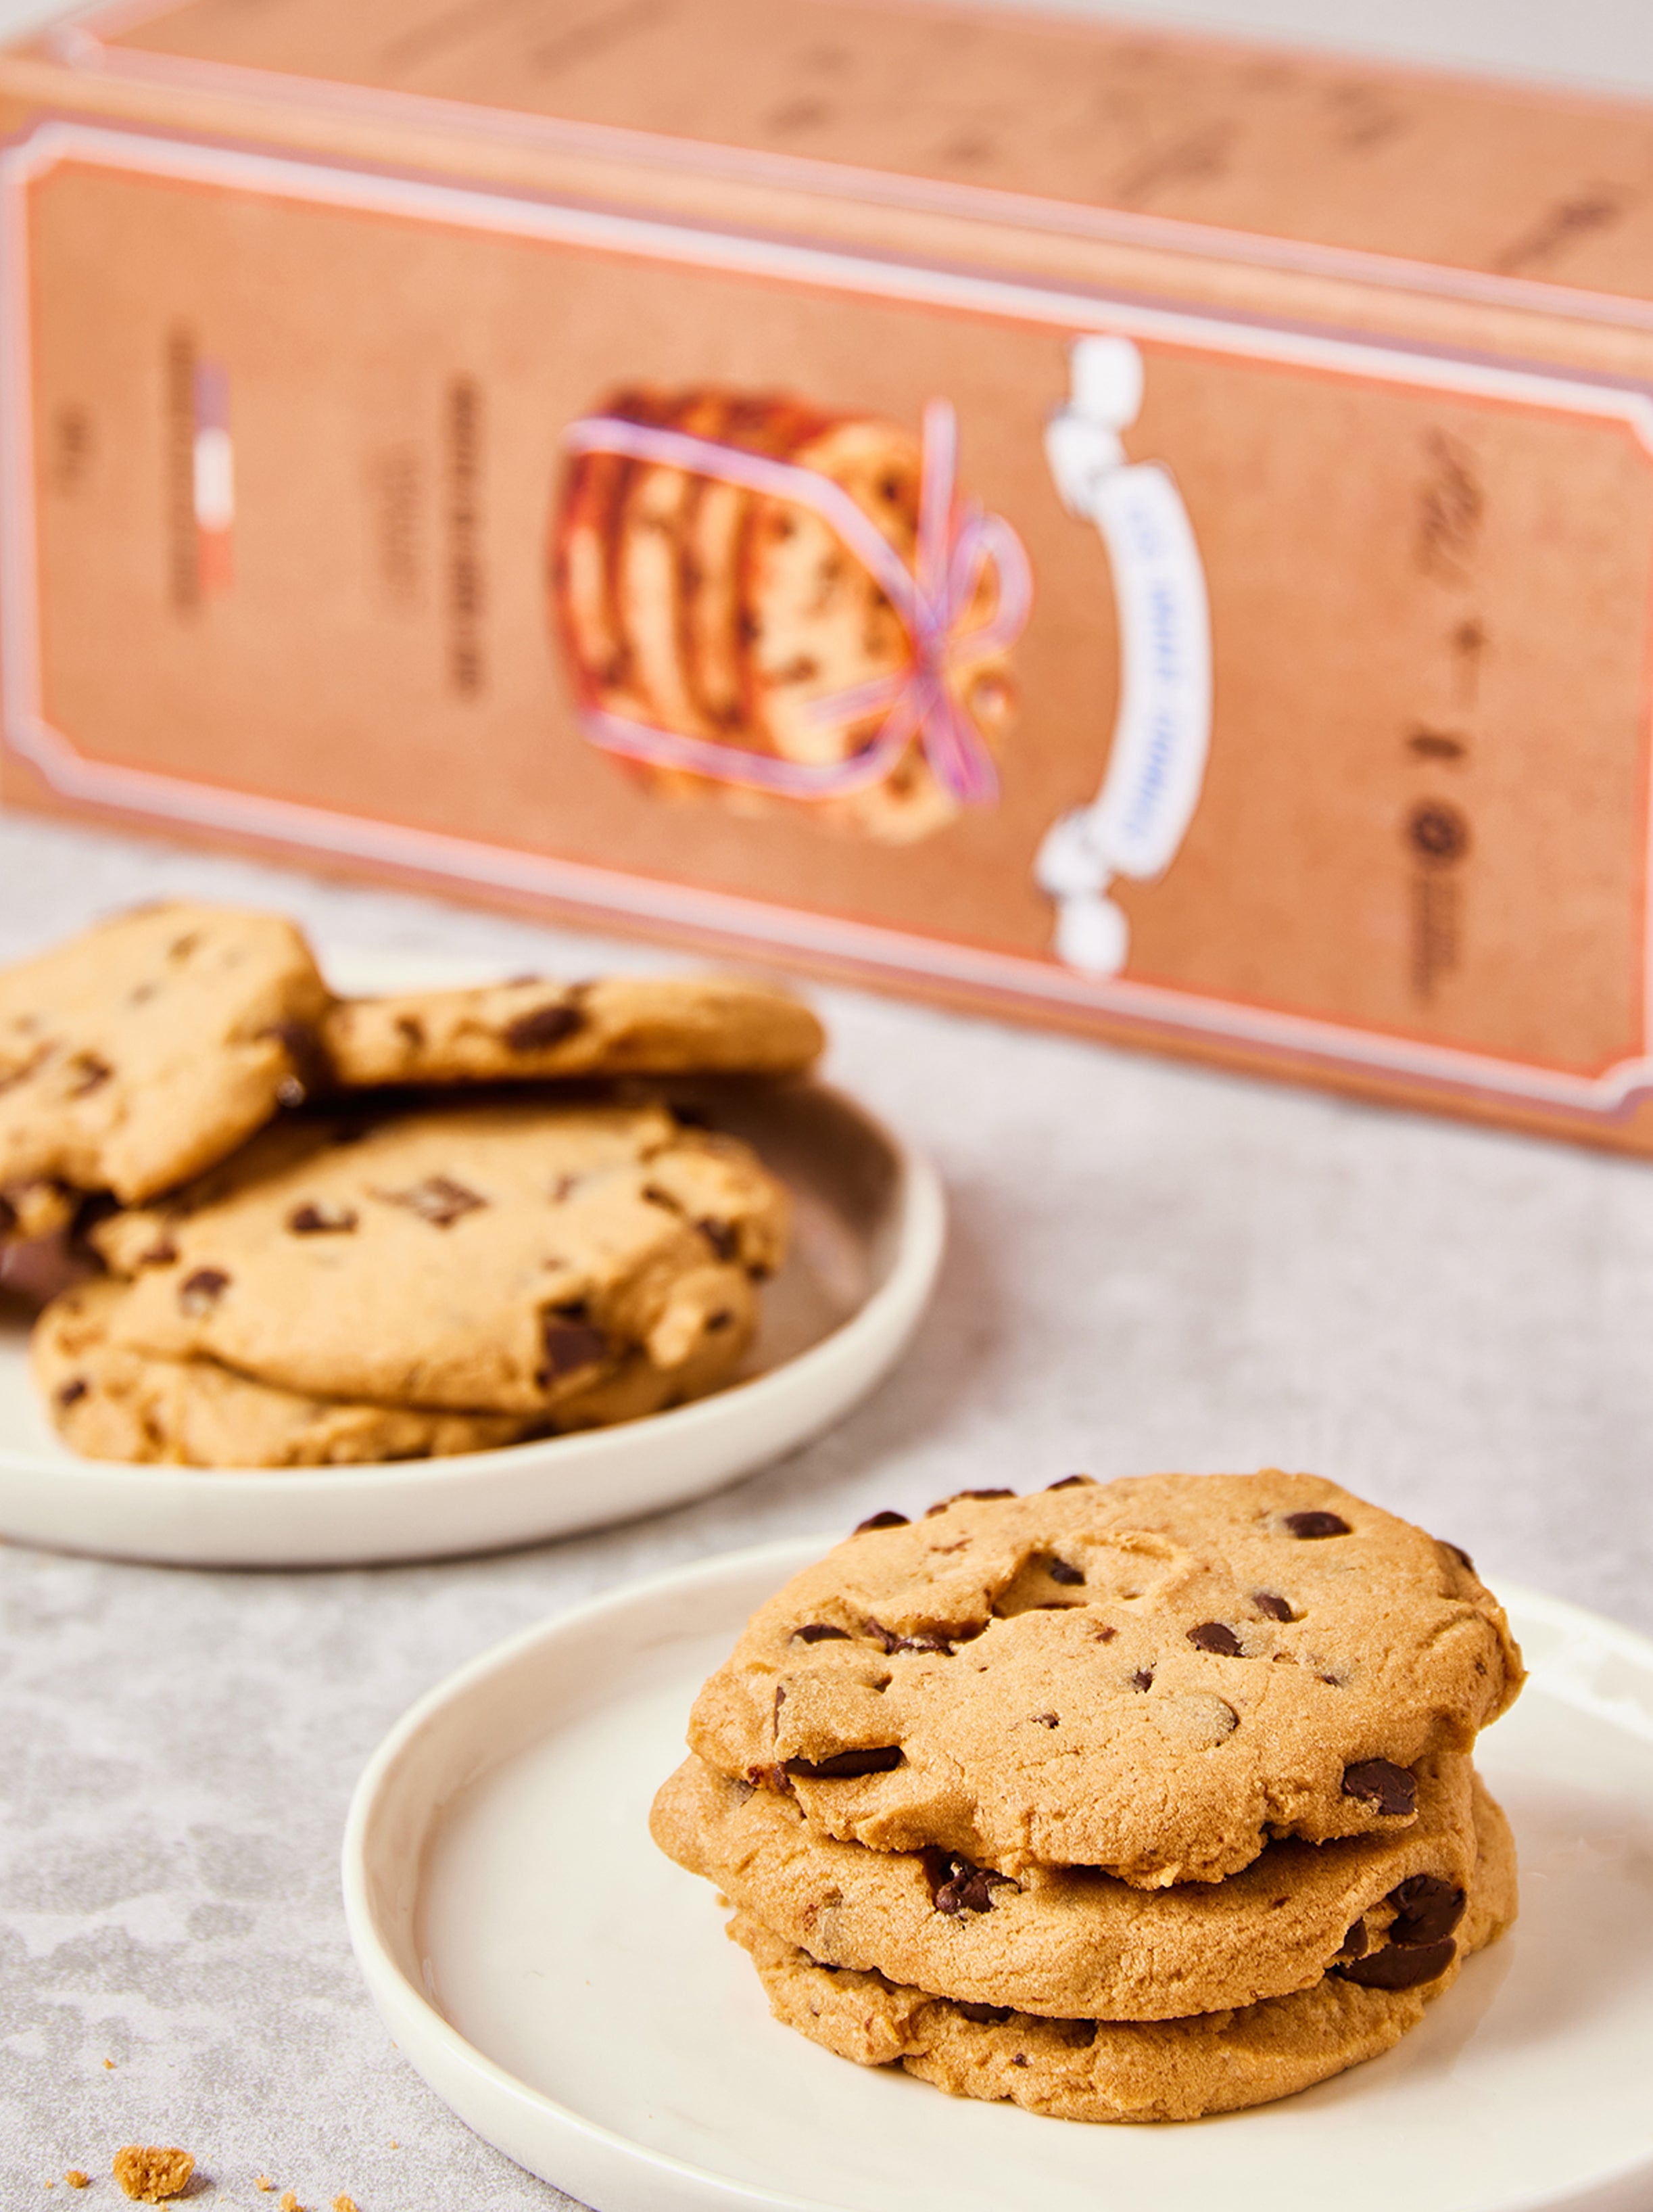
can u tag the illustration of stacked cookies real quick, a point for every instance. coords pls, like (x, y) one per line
(709, 625)
(1128, 1802)
(282, 1230)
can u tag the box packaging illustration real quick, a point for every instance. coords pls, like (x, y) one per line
(1147, 535)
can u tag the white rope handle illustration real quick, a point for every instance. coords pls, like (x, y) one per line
(1162, 728)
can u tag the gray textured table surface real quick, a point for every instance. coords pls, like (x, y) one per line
(1149, 1267)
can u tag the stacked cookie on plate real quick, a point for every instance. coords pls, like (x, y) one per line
(321, 1246)
(1132, 1801)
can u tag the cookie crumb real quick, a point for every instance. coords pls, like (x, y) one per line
(152, 2174)
(76, 2179)
(265, 2183)
(289, 2202)
(343, 2204)
(110, 2063)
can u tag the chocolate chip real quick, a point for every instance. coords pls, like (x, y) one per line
(1020, 2059)
(721, 1237)
(844, 1764)
(1356, 1943)
(958, 1884)
(1380, 1783)
(71, 1393)
(1426, 1910)
(311, 1070)
(1316, 1524)
(880, 1520)
(90, 1073)
(439, 1200)
(1045, 1720)
(199, 1293)
(1276, 1607)
(1060, 1571)
(322, 1220)
(942, 1637)
(984, 2015)
(1398, 1968)
(568, 1346)
(1216, 1636)
(1142, 1678)
(1104, 1634)
(941, 1503)
(820, 1631)
(160, 1253)
(1462, 1556)
(542, 1026)
(410, 1029)
(1068, 1481)
(722, 1319)
(8, 1216)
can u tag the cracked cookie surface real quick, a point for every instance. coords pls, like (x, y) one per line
(1152, 1677)
(530, 1028)
(108, 1402)
(146, 1049)
(1127, 2070)
(587, 1263)
(1068, 1942)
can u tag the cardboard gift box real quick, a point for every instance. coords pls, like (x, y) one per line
(1145, 535)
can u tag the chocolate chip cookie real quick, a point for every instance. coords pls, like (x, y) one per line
(617, 1025)
(1069, 1942)
(1140, 2070)
(1153, 1677)
(107, 1402)
(142, 1051)
(581, 1262)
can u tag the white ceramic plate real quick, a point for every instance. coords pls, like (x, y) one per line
(570, 1993)
(868, 1229)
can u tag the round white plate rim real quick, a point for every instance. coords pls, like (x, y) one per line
(867, 1345)
(415, 2023)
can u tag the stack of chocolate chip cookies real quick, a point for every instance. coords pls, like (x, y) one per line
(317, 1231)
(1125, 1801)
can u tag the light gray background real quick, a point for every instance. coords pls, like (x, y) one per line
(1150, 1266)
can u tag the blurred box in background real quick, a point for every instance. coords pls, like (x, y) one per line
(1150, 536)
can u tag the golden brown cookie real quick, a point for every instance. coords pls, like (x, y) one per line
(578, 1262)
(1140, 2070)
(1068, 1942)
(530, 1028)
(1152, 1676)
(140, 1053)
(108, 1402)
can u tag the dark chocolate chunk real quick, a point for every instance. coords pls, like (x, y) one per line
(71, 1393)
(439, 1200)
(942, 1637)
(1105, 1634)
(844, 1764)
(1276, 1607)
(1316, 1524)
(542, 1026)
(199, 1293)
(1380, 1783)
(1398, 1967)
(1426, 1910)
(880, 1520)
(1045, 1720)
(1068, 1481)
(984, 2015)
(818, 1632)
(311, 1070)
(941, 1503)
(721, 1237)
(322, 1220)
(567, 1345)
(958, 1884)
(160, 1253)
(1216, 1636)
(1142, 1678)
(1060, 1571)
(1356, 1943)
